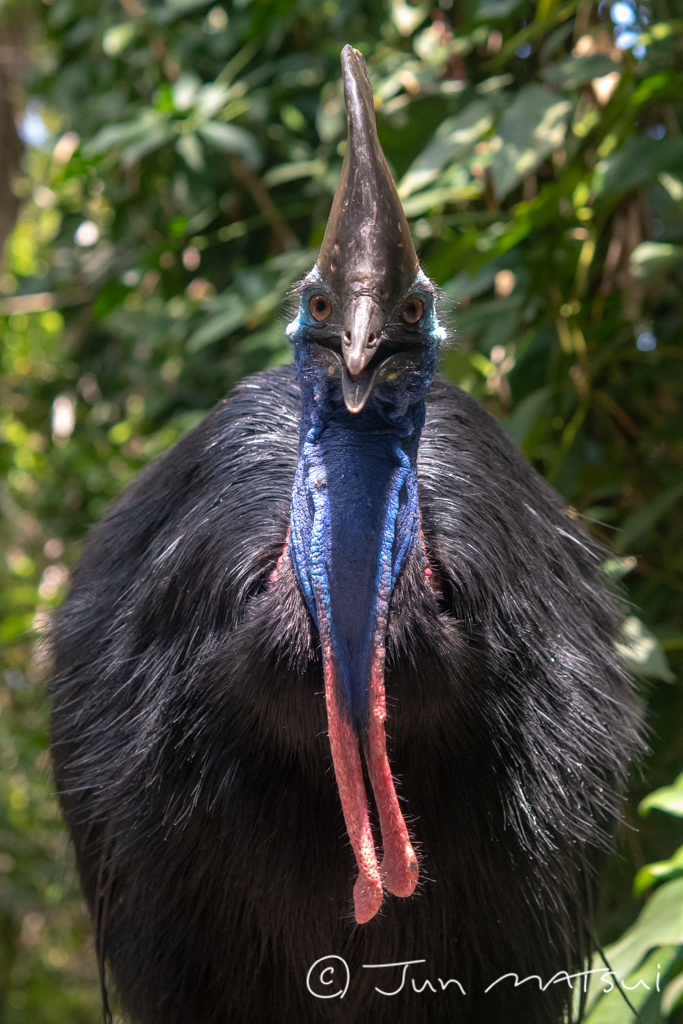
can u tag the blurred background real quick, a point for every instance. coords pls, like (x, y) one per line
(166, 171)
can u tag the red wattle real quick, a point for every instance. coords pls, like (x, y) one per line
(367, 892)
(398, 871)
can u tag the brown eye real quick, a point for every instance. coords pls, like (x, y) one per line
(412, 310)
(320, 307)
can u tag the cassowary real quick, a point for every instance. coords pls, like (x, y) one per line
(338, 728)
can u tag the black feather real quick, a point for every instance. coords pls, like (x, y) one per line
(190, 749)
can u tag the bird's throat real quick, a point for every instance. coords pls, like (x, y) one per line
(355, 519)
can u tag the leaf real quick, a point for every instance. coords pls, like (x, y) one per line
(210, 98)
(641, 653)
(673, 186)
(496, 8)
(218, 326)
(530, 129)
(173, 9)
(115, 135)
(668, 798)
(646, 516)
(640, 986)
(455, 137)
(184, 90)
(110, 296)
(652, 259)
(201, 219)
(575, 72)
(282, 173)
(231, 139)
(189, 148)
(156, 137)
(639, 160)
(657, 872)
(464, 286)
(406, 17)
(436, 197)
(672, 995)
(118, 37)
(479, 316)
(525, 414)
(616, 568)
(660, 923)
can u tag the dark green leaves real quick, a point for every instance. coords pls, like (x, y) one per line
(639, 160)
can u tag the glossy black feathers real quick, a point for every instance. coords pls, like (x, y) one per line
(190, 749)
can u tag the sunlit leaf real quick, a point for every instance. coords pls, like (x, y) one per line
(651, 259)
(231, 139)
(291, 172)
(572, 73)
(672, 995)
(118, 37)
(639, 986)
(658, 872)
(533, 126)
(407, 17)
(464, 286)
(218, 326)
(210, 98)
(616, 568)
(640, 159)
(455, 137)
(184, 90)
(461, 191)
(157, 136)
(660, 924)
(128, 133)
(191, 151)
(641, 652)
(668, 798)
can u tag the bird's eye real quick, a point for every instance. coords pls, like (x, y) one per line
(411, 310)
(320, 307)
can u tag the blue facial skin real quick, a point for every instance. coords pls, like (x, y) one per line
(355, 516)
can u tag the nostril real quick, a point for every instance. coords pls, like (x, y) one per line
(371, 338)
(347, 335)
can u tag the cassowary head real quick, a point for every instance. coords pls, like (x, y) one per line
(365, 343)
(367, 310)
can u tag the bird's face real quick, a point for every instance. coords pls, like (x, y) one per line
(366, 344)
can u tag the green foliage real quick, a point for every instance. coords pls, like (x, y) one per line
(648, 959)
(190, 158)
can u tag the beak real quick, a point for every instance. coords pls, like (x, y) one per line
(357, 389)
(363, 323)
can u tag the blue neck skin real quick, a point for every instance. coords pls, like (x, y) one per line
(355, 516)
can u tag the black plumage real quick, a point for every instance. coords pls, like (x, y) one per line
(192, 763)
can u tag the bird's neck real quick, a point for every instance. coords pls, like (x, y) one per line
(355, 519)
